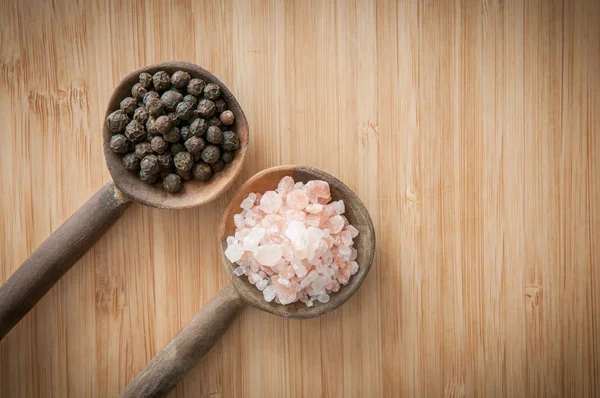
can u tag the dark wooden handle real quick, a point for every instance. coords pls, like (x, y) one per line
(187, 347)
(57, 254)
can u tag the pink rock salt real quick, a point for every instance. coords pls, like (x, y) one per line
(294, 244)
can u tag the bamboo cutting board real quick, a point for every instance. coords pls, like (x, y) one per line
(470, 129)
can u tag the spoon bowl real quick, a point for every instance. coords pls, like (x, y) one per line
(194, 193)
(357, 215)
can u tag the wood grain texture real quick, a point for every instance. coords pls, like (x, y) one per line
(470, 129)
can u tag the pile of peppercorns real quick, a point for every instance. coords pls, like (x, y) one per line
(173, 128)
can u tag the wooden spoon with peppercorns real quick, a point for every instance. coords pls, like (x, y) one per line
(78, 234)
(203, 331)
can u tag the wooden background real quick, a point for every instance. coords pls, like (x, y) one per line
(471, 130)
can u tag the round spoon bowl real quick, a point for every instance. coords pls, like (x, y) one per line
(193, 193)
(357, 215)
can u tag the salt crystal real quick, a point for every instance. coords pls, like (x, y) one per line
(283, 282)
(262, 284)
(353, 267)
(314, 208)
(242, 233)
(345, 252)
(269, 293)
(335, 224)
(353, 231)
(298, 185)
(271, 202)
(353, 254)
(309, 303)
(299, 268)
(239, 271)
(297, 199)
(234, 252)
(231, 240)
(317, 187)
(285, 185)
(323, 298)
(253, 239)
(254, 278)
(268, 255)
(248, 202)
(310, 278)
(338, 207)
(288, 272)
(238, 220)
(346, 238)
(295, 230)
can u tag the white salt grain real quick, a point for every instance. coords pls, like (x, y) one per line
(269, 293)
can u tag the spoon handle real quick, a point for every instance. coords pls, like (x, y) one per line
(49, 262)
(187, 347)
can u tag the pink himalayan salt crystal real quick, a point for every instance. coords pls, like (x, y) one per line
(314, 220)
(274, 219)
(318, 188)
(257, 200)
(338, 206)
(271, 202)
(295, 215)
(285, 186)
(335, 224)
(297, 199)
(353, 231)
(252, 240)
(234, 252)
(298, 185)
(268, 255)
(346, 238)
(323, 201)
(314, 208)
(288, 272)
(248, 202)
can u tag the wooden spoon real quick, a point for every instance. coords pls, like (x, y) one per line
(77, 235)
(203, 331)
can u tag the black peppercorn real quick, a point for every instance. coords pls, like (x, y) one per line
(227, 156)
(183, 161)
(176, 148)
(161, 81)
(185, 174)
(231, 142)
(218, 166)
(151, 127)
(119, 143)
(170, 99)
(117, 121)
(184, 110)
(185, 133)
(131, 162)
(210, 154)
(163, 124)
(180, 79)
(212, 91)
(191, 99)
(149, 95)
(214, 121)
(202, 172)
(214, 135)
(195, 145)
(142, 150)
(138, 91)
(206, 108)
(135, 132)
(155, 107)
(148, 178)
(141, 115)
(198, 127)
(149, 164)
(227, 118)
(172, 135)
(146, 80)
(173, 118)
(165, 161)
(128, 105)
(159, 145)
(220, 106)
(172, 182)
(196, 87)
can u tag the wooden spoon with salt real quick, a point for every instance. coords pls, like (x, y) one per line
(197, 337)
